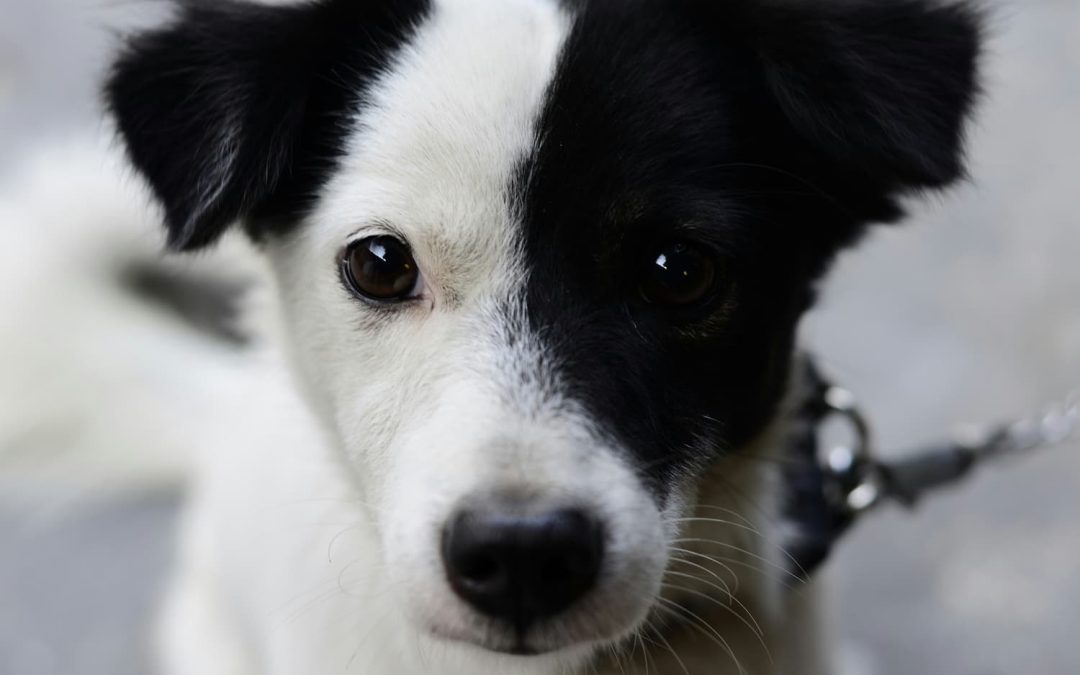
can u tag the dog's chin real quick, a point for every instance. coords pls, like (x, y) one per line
(562, 641)
(532, 647)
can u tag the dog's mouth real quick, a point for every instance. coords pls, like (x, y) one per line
(521, 649)
(595, 623)
(537, 643)
(522, 645)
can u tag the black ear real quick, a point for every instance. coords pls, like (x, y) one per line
(883, 87)
(237, 111)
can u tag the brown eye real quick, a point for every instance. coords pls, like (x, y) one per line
(381, 269)
(680, 274)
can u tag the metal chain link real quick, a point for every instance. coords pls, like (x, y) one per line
(859, 481)
(1056, 425)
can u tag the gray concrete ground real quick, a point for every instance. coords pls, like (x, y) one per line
(75, 592)
(971, 312)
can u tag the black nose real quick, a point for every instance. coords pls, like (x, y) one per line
(522, 568)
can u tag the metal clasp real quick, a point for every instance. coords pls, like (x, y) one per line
(857, 483)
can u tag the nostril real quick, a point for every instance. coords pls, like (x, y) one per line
(480, 567)
(522, 568)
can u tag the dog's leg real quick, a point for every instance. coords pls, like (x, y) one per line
(197, 631)
(195, 636)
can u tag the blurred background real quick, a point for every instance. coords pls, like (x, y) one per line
(968, 313)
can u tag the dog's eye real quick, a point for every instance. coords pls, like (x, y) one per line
(381, 269)
(678, 275)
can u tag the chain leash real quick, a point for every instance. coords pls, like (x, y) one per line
(857, 481)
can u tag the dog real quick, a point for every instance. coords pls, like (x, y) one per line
(538, 269)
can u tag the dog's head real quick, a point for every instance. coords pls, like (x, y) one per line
(543, 262)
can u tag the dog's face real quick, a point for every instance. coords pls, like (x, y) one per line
(543, 263)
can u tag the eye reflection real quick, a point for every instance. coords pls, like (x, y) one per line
(680, 275)
(381, 269)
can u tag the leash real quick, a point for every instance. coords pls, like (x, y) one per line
(828, 492)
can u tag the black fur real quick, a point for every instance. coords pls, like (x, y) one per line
(768, 132)
(240, 111)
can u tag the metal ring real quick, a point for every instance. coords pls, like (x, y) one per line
(841, 403)
(857, 477)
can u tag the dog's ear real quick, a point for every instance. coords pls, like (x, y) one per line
(234, 111)
(881, 87)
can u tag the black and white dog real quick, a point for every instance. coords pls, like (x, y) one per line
(540, 266)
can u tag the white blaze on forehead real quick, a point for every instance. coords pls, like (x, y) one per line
(440, 136)
(439, 402)
(438, 141)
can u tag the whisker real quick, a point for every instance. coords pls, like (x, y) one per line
(743, 551)
(716, 561)
(686, 671)
(734, 489)
(706, 629)
(757, 627)
(618, 658)
(749, 621)
(817, 190)
(723, 509)
(767, 573)
(334, 539)
(644, 650)
(684, 575)
(723, 582)
(718, 521)
(649, 663)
